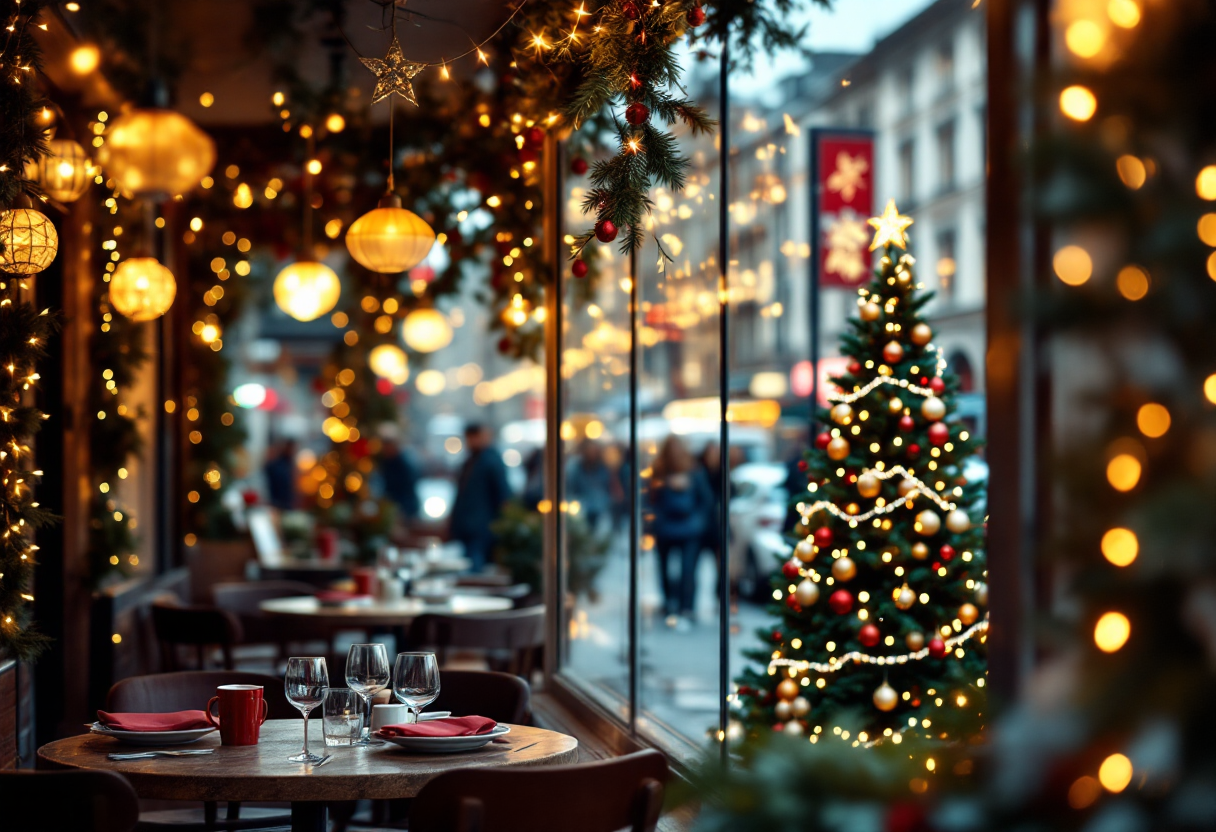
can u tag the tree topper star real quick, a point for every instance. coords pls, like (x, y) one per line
(890, 227)
(393, 74)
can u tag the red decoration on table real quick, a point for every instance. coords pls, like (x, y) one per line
(822, 440)
(906, 423)
(579, 268)
(841, 601)
(175, 721)
(939, 434)
(578, 166)
(823, 537)
(456, 726)
(868, 635)
(637, 113)
(937, 647)
(605, 231)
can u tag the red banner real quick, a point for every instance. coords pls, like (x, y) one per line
(844, 188)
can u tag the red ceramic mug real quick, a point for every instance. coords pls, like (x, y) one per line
(242, 712)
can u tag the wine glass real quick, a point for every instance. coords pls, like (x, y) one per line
(416, 680)
(305, 684)
(367, 674)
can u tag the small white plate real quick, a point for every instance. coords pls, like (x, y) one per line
(151, 737)
(448, 745)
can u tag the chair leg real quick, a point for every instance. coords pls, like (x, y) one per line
(470, 815)
(234, 810)
(210, 813)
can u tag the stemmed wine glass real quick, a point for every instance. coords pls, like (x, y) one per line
(305, 684)
(416, 680)
(367, 674)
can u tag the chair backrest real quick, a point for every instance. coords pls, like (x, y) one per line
(604, 796)
(508, 630)
(190, 690)
(503, 697)
(244, 597)
(67, 801)
(197, 626)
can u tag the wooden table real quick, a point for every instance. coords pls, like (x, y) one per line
(262, 772)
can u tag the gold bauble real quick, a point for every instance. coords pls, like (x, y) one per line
(869, 485)
(389, 361)
(921, 334)
(907, 486)
(893, 352)
(793, 728)
(843, 569)
(894, 405)
(968, 614)
(852, 508)
(142, 289)
(904, 598)
(787, 689)
(783, 710)
(838, 448)
(957, 521)
(870, 311)
(307, 289)
(885, 698)
(928, 523)
(154, 151)
(933, 408)
(801, 706)
(915, 640)
(28, 241)
(981, 595)
(807, 592)
(389, 239)
(426, 330)
(920, 551)
(64, 173)
(805, 550)
(842, 414)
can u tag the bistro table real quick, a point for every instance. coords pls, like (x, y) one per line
(262, 772)
(393, 616)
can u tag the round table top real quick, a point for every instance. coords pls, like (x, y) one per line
(262, 772)
(386, 613)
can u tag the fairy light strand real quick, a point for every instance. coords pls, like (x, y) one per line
(855, 656)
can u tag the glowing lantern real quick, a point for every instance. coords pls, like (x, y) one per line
(28, 241)
(388, 361)
(389, 239)
(154, 151)
(426, 330)
(307, 290)
(142, 289)
(64, 173)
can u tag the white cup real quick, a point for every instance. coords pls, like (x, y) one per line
(390, 714)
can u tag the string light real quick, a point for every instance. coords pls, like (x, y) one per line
(979, 628)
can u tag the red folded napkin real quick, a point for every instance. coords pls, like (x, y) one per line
(459, 726)
(176, 721)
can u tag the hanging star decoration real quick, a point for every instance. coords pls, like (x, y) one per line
(393, 74)
(890, 228)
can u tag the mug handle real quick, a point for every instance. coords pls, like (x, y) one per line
(265, 711)
(210, 716)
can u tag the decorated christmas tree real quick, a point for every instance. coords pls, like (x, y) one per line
(882, 603)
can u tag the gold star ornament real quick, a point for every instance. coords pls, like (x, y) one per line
(890, 228)
(393, 74)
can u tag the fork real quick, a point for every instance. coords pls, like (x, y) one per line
(142, 754)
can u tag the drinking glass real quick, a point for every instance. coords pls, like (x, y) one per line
(416, 680)
(342, 717)
(305, 684)
(367, 673)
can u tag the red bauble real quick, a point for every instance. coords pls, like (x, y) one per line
(823, 537)
(696, 16)
(821, 441)
(527, 154)
(630, 10)
(504, 345)
(534, 137)
(913, 449)
(790, 569)
(854, 368)
(841, 601)
(947, 552)
(359, 448)
(637, 113)
(791, 601)
(579, 268)
(802, 465)
(868, 635)
(939, 434)
(777, 637)
(605, 231)
(937, 385)
(907, 423)
(578, 166)
(384, 387)
(924, 381)
(937, 647)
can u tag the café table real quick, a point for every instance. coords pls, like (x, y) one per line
(374, 614)
(263, 773)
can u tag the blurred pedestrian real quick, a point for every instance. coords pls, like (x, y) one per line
(481, 491)
(680, 506)
(399, 472)
(589, 482)
(280, 471)
(711, 464)
(534, 479)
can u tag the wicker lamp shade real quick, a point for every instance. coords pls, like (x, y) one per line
(28, 241)
(153, 151)
(142, 289)
(426, 330)
(389, 239)
(307, 290)
(65, 173)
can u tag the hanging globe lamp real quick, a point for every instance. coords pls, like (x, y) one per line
(142, 289)
(64, 173)
(388, 361)
(426, 330)
(306, 290)
(389, 239)
(156, 151)
(28, 241)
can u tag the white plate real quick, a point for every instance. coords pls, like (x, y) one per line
(448, 745)
(151, 737)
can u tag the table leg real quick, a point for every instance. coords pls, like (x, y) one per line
(309, 816)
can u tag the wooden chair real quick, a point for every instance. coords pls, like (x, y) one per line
(511, 639)
(244, 598)
(198, 627)
(500, 696)
(67, 801)
(191, 690)
(604, 796)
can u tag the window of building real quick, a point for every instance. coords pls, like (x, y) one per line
(907, 90)
(947, 264)
(907, 172)
(945, 68)
(946, 162)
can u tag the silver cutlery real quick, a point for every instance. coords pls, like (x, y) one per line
(323, 761)
(142, 754)
(522, 748)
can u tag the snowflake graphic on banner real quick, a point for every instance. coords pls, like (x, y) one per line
(849, 176)
(846, 239)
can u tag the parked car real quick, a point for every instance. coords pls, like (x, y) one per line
(757, 511)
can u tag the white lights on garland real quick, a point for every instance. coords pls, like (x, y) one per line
(979, 628)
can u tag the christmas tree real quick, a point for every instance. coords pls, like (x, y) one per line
(882, 602)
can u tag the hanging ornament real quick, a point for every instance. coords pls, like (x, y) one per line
(630, 10)
(793, 728)
(28, 241)
(854, 368)
(605, 231)
(155, 151)
(870, 312)
(906, 423)
(841, 601)
(534, 138)
(968, 614)
(920, 551)
(892, 352)
(947, 551)
(869, 485)
(907, 486)
(913, 449)
(890, 228)
(637, 113)
(939, 434)
(787, 689)
(915, 640)
(937, 385)
(844, 570)
(885, 698)
(981, 594)
(791, 601)
(928, 523)
(791, 569)
(921, 334)
(141, 289)
(842, 414)
(807, 592)
(937, 647)
(578, 166)
(823, 537)
(64, 173)
(426, 330)
(890, 553)
(389, 239)
(783, 710)
(838, 448)
(869, 635)
(801, 706)
(805, 550)
(822, 440)
(957, 521)
(696, 16)
(306, 290)
(393, 74)
(894, 405)
(389, 361)
(933, 408)
(852, 508)
(579, 268)
(905, 597)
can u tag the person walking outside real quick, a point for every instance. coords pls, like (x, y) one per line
(481, 491)
(398, 473)
(589, 482)
(681, 505)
